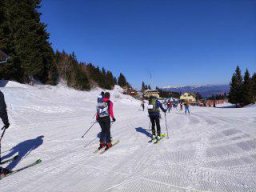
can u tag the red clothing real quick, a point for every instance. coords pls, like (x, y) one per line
(169, 104)
(110, 108)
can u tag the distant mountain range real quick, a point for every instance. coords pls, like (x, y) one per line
(204, 90)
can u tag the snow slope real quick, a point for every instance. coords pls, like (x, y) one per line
(213, 149)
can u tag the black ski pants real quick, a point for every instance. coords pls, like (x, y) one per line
(4, 117)
(155, 121)
(105, 129)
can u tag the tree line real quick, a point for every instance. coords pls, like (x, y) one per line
(242, 88)
(144, 86)
(218, 97)
(25, 39)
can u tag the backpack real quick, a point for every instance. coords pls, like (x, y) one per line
(102, 109)
(99, 99)
(152, 105)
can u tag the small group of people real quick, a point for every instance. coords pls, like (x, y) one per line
(105, 114)
(175, 103)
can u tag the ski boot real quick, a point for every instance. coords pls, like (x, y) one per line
(4, 172)
(108, 145)
(153, 138)
(101, 146)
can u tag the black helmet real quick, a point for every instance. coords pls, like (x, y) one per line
(107, 95)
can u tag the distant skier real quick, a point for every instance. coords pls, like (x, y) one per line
(187, 107)
(169, 105)
(154, 115)
(104, 112)
(4, 117)
(181, 106)
(143, 105)
(175, 105)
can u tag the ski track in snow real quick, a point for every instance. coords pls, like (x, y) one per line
(212, 149)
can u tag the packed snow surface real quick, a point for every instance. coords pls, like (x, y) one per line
(213, 149)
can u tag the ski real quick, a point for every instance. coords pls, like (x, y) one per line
(161, 137)
(152, 140)
(155, 140)
(98, 150)
(113, 144)
(9, 160)
(21, 169)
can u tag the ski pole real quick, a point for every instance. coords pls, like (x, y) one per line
(166, 126)
(3, 128)
(94, 115)
(2, 135)
(88, 129)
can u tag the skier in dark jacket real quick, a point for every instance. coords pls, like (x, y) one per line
(154, 115)
(3, 111)
(4, 117)
(104, 113)
(142, 105)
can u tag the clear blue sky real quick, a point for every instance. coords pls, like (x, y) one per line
(161, 42)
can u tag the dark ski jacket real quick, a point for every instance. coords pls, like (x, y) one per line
(157, 113)
(3, 112)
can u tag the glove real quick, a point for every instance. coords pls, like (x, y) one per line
(7, 125)
(114, 119)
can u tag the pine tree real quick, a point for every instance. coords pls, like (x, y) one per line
(122, 81)
(109, 80)
(115, 81)
(25, 39)
(143, 86)
(80, 78)
(254, 86)
(235, 93)
(3, 27)
(12, 69)
(70, 70)
(247, 94)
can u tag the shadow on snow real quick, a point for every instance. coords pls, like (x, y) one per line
(144, 131)
(23, 149)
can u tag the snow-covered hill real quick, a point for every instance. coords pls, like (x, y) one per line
(213, 149)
